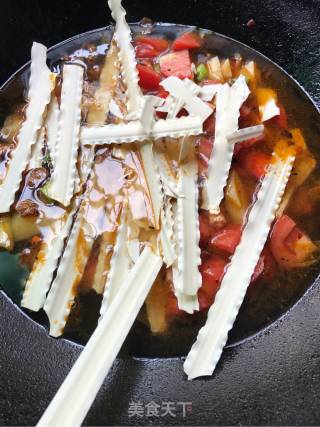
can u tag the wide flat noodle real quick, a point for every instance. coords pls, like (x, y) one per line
(103, 346)
(37, 150)
(181, 91)
(51, 127)
(188, 234)
(167, 175)
(167, 233)
(228, 103)
(63, 290)
(127, 59)
(40, 278)
(134, 131)
(153, 180)
(206, 352)
(244, 134)
(104, 94)
(120, 263)
(42, 82)
(65, 176)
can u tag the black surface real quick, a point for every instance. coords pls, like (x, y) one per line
(272, 379)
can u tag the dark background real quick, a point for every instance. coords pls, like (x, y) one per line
(272, 379)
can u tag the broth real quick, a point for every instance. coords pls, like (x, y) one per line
(276, 288)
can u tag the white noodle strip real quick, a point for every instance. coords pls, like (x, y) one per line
(187, 303)
(133, 247)
(188, 234)
(41, 85)
(228, 103)
(37, 150)
(206, 352)
(62, 293)
(127, 59)
(41, 275)
(115, 109)
(241, 135)
(86, 377)
(169, 182)
(51, 125)
(153, 180)
(269, 110)
(148, 111)
(194, 105)
(166, 234)
(120, 264)
(65, 176)
(207, 92)
(133, 131)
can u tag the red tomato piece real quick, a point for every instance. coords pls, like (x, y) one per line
(187, 41)
(209, 126)
(255, 162)
(206, 228)
(212, 271)
(227, 239)
(146, 51)
(246, 144)
(269, 264)
(149, 79)
(157, 43)
(176, 64)
(204, 152)
(172, 306)
(289, 245)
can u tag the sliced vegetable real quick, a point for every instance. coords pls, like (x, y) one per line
(176, 64)
(290, 246)
(156, 303)
(227, 239)
(202, 72)
(255, 162)
(149, 79)
(214, 70)
(236, 198)
(187, 41)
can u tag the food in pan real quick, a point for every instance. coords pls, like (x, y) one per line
(158, 158)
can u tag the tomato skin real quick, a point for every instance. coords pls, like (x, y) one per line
(157, 43)
(149, 79)
(176, 64)
(255, 162)
(227, 239)
(187, 41)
